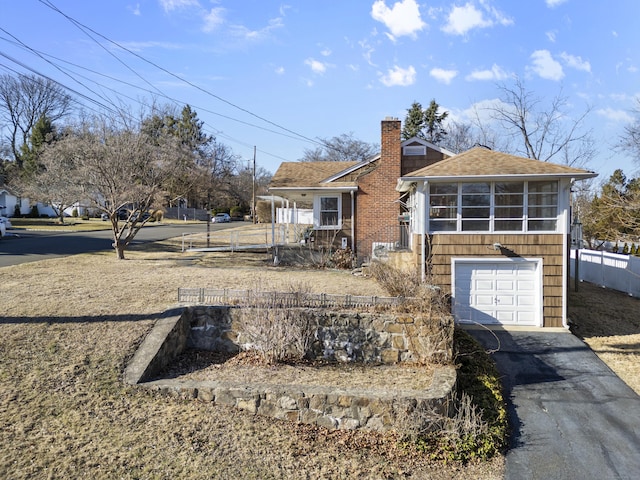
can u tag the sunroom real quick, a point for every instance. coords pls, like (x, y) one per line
(492, 230)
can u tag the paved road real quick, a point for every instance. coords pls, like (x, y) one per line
(24, 246)
(572, 417)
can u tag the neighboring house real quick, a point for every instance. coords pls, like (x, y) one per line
(493, 230)
(356, 203)
(8, 202)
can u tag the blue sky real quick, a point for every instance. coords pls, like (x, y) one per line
(279, 74)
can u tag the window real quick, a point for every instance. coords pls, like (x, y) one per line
(508, 206)
(476, 206)
(542, 206)
(443, 209)
(327, 212)
(411, 150)
(493, 206)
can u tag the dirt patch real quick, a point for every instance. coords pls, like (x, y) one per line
(248, 367)
(609, 322)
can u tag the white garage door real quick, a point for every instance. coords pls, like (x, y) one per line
(505, 292)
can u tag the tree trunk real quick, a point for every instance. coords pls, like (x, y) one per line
(119, 248)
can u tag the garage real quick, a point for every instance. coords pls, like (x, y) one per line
(506, 292)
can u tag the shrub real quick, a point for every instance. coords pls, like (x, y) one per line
(395, 281)
(236, 212)
(156, 216)
(277, 334)
(74, 212)
(34, 213)
(478, 430)
(343, 258)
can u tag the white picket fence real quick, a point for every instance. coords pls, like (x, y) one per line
(610, 270)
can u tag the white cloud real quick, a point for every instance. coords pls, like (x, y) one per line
(398, 76)
(213, 19)
(326, 52)
(280, 70)
(545, 66)
(442, 75)
(463, 19)
(169, 5)
(554, 3)
(316, 66)
(242, 32)
(575, 62)
(135, 9)
(495, 73)
(367, 51)
(551, 36)
(401, 19)
(618, 116)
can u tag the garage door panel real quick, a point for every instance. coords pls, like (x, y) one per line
(483, 286)
(505, 285)
(482, 301)
(500, 292)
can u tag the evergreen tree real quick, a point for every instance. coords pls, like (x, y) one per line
(425, 123)
(42, 133)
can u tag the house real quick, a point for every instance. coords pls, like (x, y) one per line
(355, 204)
(490, 229)
(493, 230)
(8, 202)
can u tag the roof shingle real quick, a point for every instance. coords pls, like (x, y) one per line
(482, 162)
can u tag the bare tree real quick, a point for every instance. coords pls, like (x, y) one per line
(24, 99)
(116, 171)
(343, 148)
(630, 139)
(545, 130)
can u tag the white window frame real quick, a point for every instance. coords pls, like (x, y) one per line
(317, 212)
(524, 218)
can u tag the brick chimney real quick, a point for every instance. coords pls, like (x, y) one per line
(377, 207)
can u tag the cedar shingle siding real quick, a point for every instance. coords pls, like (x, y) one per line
(549, 247)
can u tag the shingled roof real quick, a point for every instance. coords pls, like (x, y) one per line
(482, 162)
(309, 174)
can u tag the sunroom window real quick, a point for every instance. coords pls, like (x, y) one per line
(493, 206)
(542, 206)
(443, 209)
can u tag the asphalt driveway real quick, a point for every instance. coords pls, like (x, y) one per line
(571, 416)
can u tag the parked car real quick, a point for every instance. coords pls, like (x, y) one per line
(221, 218)
(6, 222)
(104, 217)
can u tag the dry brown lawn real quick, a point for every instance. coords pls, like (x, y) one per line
(68, 328)
(609, 322)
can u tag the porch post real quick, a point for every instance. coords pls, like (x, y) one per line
(353, 226)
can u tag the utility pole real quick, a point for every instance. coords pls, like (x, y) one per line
(253, 198)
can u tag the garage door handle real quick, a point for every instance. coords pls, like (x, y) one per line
(496, 300)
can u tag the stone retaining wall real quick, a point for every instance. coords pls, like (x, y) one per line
(341, 336)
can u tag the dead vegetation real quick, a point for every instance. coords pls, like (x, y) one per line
(69, 326)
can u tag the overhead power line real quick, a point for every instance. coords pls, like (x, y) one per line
(83, 28)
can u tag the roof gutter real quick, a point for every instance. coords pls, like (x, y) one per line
(404, 183)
